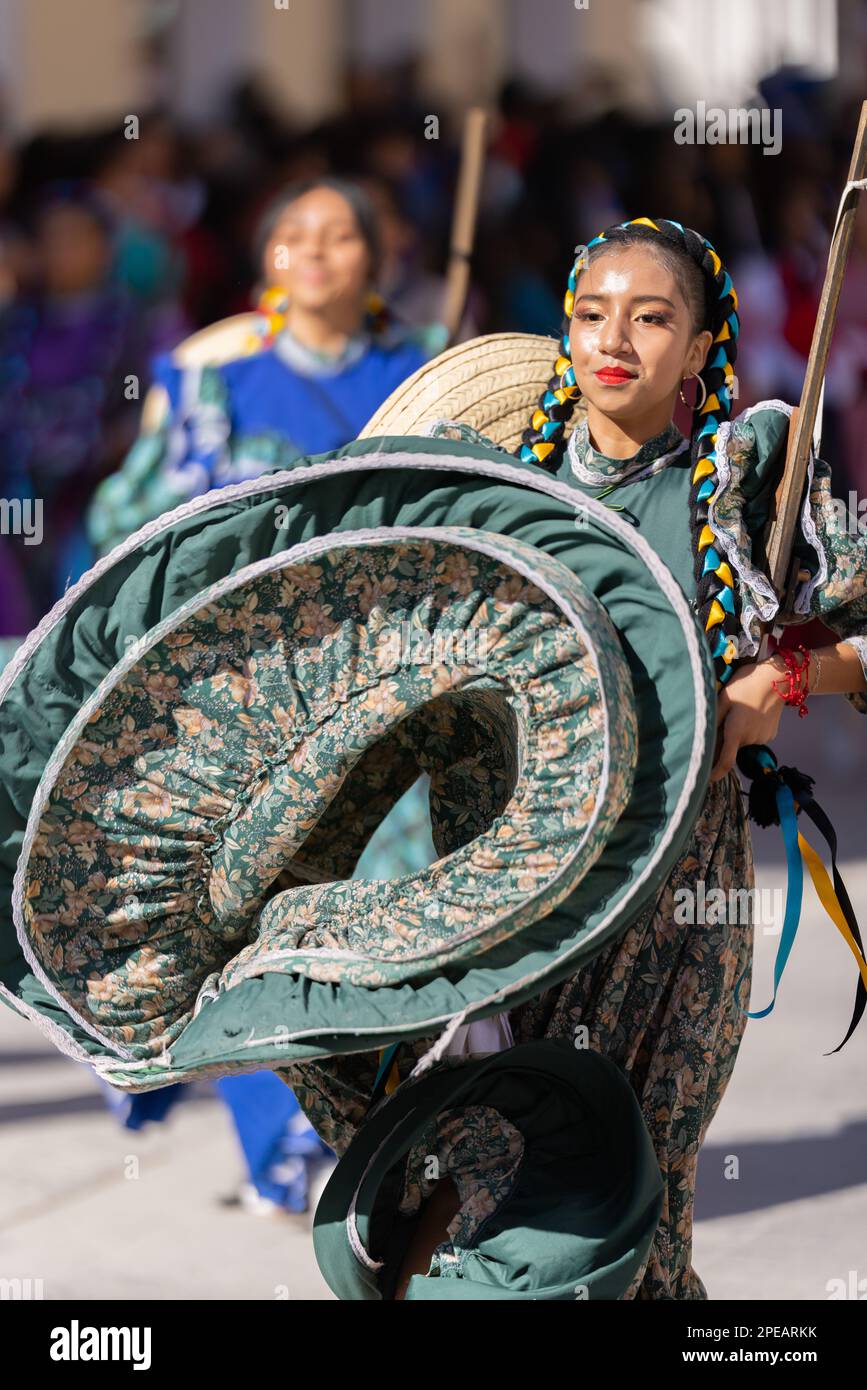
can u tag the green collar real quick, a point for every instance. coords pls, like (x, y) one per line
(591, 466)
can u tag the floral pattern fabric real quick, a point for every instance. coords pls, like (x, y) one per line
(591, 466)
(830, 541)
(205, 818)
(481, 1151)
(660, 1003)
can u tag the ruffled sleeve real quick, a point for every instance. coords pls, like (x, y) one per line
(192, 449)
(841, 601)
(830, 544)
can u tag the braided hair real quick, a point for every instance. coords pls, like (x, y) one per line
(544, 441)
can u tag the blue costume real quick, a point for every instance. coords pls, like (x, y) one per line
(249, 416)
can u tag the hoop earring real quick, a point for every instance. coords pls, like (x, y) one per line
(699, 404)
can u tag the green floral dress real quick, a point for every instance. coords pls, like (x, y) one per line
(660, 1000)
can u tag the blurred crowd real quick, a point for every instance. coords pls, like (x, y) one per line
(113, 249)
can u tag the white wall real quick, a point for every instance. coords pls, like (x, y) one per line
(385, 31)
(718, 52)
(75, 62)
(214, 45)
(69, 63)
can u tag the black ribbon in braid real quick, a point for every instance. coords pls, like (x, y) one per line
(544, 441)
(716, 597)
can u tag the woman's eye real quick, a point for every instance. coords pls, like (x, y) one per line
(587, 314)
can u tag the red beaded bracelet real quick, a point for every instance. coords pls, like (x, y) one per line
(797, 679)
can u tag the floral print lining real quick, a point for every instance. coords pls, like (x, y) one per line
(272, 730)
(481, 1151)
(659, 1001)
(836, 589)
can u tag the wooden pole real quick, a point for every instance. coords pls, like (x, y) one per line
(464, 221)
(779, 535)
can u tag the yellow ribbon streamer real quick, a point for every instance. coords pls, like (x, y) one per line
(829, 900)
(393, 1076)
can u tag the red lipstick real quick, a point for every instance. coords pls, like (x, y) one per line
(614, 376)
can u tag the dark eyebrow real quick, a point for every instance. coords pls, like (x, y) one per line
(338, 220)
(636, 298)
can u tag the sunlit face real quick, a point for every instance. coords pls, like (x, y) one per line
(629, 314)
(73, 250)
(317, 252)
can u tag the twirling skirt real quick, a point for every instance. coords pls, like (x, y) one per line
(659, 1002)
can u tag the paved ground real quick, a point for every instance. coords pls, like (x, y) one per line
(796, 1216)
(74, 1214)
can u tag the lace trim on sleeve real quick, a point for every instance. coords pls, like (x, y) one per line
(759, 602)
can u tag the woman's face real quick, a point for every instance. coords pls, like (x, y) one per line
(73, 251)
(629, 314)
(317, 253)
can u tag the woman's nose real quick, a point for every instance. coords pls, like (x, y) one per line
(613, 337)
(311, 246)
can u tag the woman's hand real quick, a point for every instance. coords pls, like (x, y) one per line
(748, 711)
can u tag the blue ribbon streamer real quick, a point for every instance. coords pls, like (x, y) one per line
(385, 1065)
(794, 887)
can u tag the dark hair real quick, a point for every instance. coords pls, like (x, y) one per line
(689, 277)
(362, 208)
(710, 295)
(77, 195)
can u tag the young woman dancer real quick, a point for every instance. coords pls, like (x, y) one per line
(649, 305)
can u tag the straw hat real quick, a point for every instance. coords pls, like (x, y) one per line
(492, 383)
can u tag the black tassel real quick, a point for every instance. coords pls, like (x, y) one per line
(764, 785)
(797, 782)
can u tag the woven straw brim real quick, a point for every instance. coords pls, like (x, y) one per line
(493, 383)
(220, 342)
